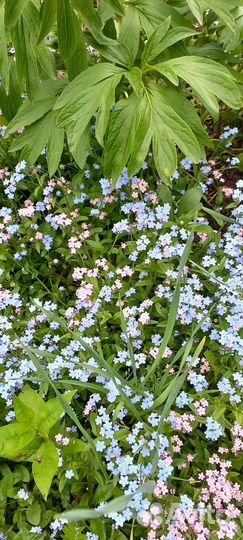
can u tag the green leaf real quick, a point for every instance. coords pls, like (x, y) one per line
(116, 5)
(81, 85)
(97, 526)
(11, 102)
(152, 47)
(196, 8)
(26, 60)
(30, 111)
(14, 438)
(134, 76)
(174, 127)
(129, 30)
(164, 150)
(24, 414)
(171, 319)
(4, 64)
(221, 10)
(116, 505)
(13, 10)
(185, 109)
(89, 15)
(31, 399)
(78, 142)
(173, 36)
(208, 78)
(45, 467)
(142, 137)
(48, 16)
(190, 201)
(120, 139)
(67, 38)
(77, 61)
(54, 146)
(34, 138)
(33, 513)
(51, 412)
(106, 102)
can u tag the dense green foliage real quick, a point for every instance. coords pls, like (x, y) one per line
(129, 63)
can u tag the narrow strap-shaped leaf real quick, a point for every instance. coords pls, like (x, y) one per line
(4, 63)
(173, 308)
(13, 10)
(48, 17)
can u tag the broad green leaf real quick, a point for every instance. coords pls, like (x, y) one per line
(51, 412)
(185, 109)
(190, 201)
(48, 17)
(142, 137)
(152, 47)
(97, 526)
(196, 8)
(106, 102)
(66, 29)
(89, 15)
(77, 61)
(10, 103)
(80, 85)
(78, 142)
(164, 150)
(83, 108)
(30, 111)
(129, 30)
(134, 76)
(54, 146)
(114, 51)
(31, 399)
(67, 408)
(4, 63)
(175, 128)
(35, 138)
(45, 61)
(13, 10)
(33, 513)
(14, 438)
(120, 138)
(26, 60)
(24, 414)
(45, 467)
(153, 12)
(171, 37)
(208, 78)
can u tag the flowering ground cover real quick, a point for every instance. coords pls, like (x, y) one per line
(121, 350)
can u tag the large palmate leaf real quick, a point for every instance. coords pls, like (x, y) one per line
(169, 127)
(153, 12)
(207, 77)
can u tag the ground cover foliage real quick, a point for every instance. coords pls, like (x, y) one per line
(121, 234)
